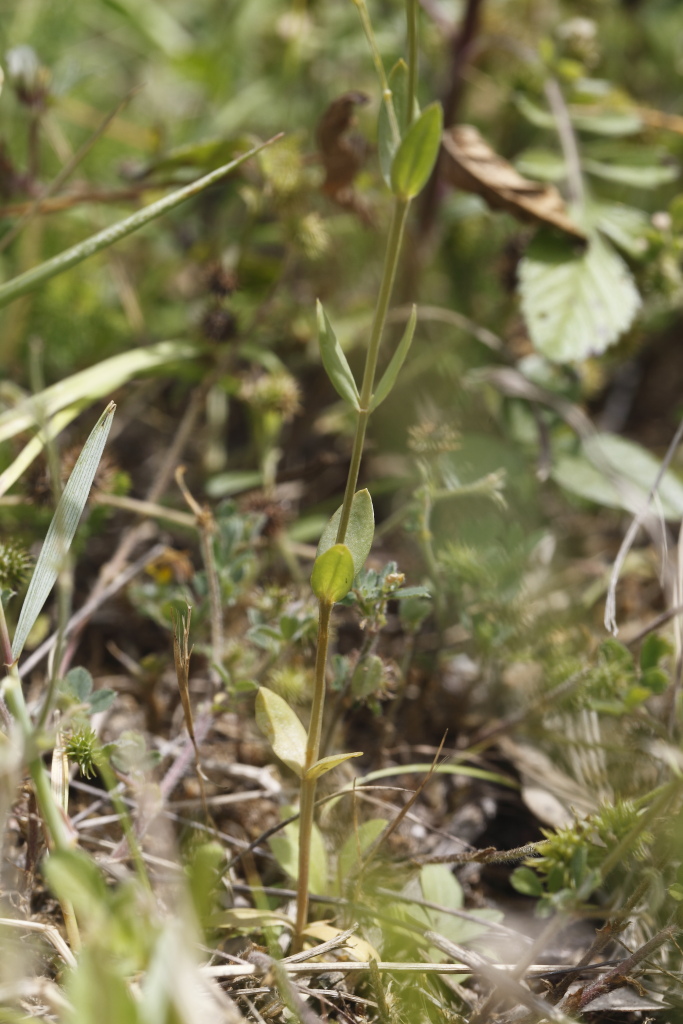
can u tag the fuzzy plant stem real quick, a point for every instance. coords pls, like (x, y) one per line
(308, 785)
(391, 259)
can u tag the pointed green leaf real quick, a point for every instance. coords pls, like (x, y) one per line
(360, 531)
(575, 305)
(397, 360)
(282, 728)
(62, 528)
(416, 156)
(325, 764)
(635, 175)
(333, 573)
(103, 239)
(387, 143)
(92, 383)
(334, 360)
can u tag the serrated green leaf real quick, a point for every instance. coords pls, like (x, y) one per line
(575, 305)
(617, 473)
(326, 764)
(334, 360)
(31, 279)
(387, 143)
(282, 728)
(613, 125)
(62, 529)
(333, 573)
(626, 226)
(417, 153)
(633, 175)
(360, 531)
(397, 360)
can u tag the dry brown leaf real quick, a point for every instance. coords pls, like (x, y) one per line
(474, 167)
(342, 152)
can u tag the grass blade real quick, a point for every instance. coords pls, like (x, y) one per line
(29, 280)
(62, 528)
(90, 384)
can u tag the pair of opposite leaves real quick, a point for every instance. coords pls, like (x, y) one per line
(470, 164)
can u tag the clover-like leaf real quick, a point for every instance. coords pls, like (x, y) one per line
(282, 728)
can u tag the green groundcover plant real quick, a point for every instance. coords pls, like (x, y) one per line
(185, 927)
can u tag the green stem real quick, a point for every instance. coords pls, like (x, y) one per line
(390, 264)
(308, 786)
(379, 68)
(411, 18)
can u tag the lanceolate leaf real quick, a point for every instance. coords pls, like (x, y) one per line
(56, 406)
(575, 305)
(333, 573)
(62, 529)
(282, 728)
(387, 143)
(648, 176)
(325, 764)
(334, 360)
(360, 531)
(103, 239)
(416, 156)
(90, 384)
(397, 360)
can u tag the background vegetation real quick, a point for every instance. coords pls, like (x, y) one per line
(518, 797)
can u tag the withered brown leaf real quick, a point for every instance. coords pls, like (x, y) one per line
(473, 166)
(342, 152)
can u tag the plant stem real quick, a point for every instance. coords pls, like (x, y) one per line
(308, 785)
(411, 19)
(389, 273)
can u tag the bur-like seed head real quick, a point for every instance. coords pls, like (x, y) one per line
(82, 748)
(15, 565)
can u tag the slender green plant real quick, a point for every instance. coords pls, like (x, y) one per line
(408, 147)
